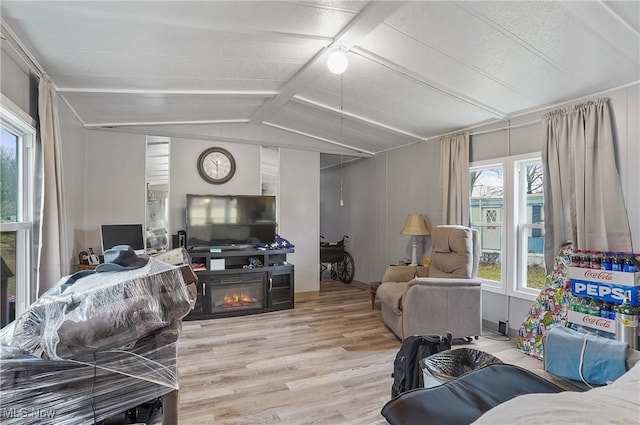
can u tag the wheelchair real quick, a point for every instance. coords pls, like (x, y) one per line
(335, 258)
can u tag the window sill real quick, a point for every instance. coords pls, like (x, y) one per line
(524, 295)
(494, 289)
(514, 294)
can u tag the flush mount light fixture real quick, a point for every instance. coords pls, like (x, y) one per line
(337, 62)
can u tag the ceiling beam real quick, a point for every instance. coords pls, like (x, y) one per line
(154, 92)
(322, 139)
(358, 28)
(161, 123)
(158, 131)
(354, 117)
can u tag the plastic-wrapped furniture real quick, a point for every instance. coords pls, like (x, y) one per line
(95, 345)
(443, 297)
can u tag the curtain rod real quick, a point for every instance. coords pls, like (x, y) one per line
(508, 127)
(21, 50)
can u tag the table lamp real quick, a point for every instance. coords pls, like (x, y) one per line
(415, 226)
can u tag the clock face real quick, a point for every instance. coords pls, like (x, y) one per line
(216, 165)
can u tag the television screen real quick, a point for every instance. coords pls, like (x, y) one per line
(222, 221)
(122, 234)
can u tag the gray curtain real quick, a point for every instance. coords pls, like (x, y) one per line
(583, 195)
(55, 260)
(454, 179)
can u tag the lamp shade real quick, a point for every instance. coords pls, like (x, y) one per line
(415, 226)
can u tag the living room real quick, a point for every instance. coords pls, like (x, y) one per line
(324, 189)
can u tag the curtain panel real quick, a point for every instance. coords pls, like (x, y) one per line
(454, 179)
(55, 258)
(583, 203)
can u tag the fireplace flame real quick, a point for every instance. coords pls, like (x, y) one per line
(235, 299)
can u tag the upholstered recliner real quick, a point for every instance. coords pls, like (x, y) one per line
(443, 297)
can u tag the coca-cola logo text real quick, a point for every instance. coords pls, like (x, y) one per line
(596, 321)
(598, 274)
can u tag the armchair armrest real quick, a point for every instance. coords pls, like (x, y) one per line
(404, 273)
(445, 282)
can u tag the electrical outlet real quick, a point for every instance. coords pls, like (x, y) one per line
(502, 327)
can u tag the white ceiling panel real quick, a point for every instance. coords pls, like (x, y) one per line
(628, 13)
(418, 69)
(441, 70)
(389, 98)
(113, 109)
(310, 19)
(562, 38)
(450, 28)
(326, 125)
(212, 73)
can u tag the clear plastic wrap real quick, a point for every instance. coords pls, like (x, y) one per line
(94, 347)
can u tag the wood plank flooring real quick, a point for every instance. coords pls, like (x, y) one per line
(328, 361)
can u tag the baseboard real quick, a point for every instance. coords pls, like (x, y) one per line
(493, 326)
(361, 285)
(306, 296)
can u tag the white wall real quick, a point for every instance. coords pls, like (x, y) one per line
(379, 192)
(17, 85)
(184, 177)
(115, 175)
(105, 178)
(76, 186)
(378, 195)
(299, 205)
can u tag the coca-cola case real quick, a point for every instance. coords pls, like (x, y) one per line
(593, 322)
(605, 285)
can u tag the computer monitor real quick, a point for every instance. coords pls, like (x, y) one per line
(122, 234)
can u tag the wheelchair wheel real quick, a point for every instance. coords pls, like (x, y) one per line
(347, 268)
(333, 273)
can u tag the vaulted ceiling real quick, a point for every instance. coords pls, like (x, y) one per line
(255, 71)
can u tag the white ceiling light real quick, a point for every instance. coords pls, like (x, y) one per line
(337, 62)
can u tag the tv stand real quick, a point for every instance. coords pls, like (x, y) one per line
(216, 249)
(236, 282)
(233, 247)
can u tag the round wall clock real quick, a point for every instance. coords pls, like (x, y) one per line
(216, 165)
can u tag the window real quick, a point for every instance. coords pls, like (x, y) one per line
(530, 224)
(487, 199)
(16, 217)
(507, 210)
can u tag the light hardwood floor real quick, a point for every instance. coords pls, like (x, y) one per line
(328, 361)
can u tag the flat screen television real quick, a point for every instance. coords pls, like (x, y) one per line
(122, 234)
(230, 221)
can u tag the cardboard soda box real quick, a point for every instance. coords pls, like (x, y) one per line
(605, 285)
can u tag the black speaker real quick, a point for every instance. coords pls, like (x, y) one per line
(179, 240)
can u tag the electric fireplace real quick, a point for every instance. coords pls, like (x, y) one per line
(236, 295)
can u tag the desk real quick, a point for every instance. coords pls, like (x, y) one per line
(81, 267)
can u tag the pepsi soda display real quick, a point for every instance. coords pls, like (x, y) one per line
(618, 261)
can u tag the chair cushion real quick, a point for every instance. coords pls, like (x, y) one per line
(452, 254)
